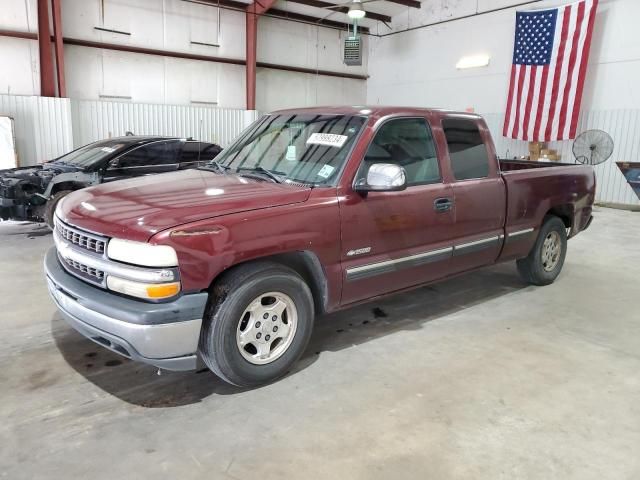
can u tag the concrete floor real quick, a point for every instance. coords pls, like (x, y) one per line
(482, 377)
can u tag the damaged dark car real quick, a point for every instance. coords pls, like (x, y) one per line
(32, 193)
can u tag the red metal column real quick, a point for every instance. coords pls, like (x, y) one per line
(47, 82)
(252, 47)
(253, 11)
(59, 48)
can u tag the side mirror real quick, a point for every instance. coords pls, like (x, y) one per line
(383, 177)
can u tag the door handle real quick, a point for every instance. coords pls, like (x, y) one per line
(442, 204)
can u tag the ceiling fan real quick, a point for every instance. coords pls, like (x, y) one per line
(356, 10)
(352, 54)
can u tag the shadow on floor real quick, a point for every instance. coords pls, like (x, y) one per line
(27, 229)
(140, 385)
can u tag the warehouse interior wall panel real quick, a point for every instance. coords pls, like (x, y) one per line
(307, 46)
(94, 120)
(182, 27)
(42, 126)
(46, 128)
(418, 67)
(624, 128)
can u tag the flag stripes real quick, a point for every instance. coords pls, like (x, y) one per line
(546, 84)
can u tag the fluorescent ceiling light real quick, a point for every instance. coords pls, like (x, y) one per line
(356, 12)
(473, 61)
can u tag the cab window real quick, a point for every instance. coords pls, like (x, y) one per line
(408, 143)
(467, 152)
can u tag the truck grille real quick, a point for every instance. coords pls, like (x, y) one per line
(80, 238)
(92, 275)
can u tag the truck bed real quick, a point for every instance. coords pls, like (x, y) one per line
(533, 188)
(511, 165)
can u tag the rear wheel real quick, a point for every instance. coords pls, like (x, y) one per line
(544, 263)
(52, 203)
(257, 325)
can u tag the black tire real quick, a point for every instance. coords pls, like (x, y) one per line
(532, 268)
(52, 203)
(230, 297)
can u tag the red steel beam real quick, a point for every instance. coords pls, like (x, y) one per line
(205, 58)
(59, 48)
(254, 10)
(15, 34)
(47, 81)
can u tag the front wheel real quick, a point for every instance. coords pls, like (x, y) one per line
(52, 203)
(544, 263)
(257, 325)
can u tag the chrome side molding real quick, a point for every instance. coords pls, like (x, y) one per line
(371, 269)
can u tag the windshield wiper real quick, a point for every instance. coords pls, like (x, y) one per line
(260, 169)
(216, 166)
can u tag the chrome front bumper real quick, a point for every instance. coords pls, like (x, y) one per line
(161, 334)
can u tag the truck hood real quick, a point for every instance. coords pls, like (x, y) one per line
(138, 208)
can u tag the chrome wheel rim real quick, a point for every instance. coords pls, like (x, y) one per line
(551, 249)
(266, 328)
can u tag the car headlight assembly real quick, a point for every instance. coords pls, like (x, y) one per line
(150, 291)
(140, 253)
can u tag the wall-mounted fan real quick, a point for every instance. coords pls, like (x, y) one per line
(593, 147)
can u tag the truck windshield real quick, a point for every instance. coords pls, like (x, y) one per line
(89, 155)
(302, 148)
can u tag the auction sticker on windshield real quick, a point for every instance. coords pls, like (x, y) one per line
(328, 139)
(326, 171)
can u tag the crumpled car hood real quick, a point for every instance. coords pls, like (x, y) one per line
(36, 174)
(138, 208)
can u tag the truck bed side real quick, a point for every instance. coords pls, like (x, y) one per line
(535, 190)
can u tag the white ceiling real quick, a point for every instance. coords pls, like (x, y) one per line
(379, 6)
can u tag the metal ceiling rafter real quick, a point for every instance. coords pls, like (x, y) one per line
(322, 4)
(278, 13)
(406, 3)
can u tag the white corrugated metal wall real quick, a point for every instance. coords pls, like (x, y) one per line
(624, 128)
(94, 120)
(46, 128)
(42, 126)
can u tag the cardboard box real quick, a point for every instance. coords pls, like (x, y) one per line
(536, 147)
(546, 151)
(534, 157)
(554, 157)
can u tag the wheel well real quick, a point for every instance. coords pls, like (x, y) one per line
(564, 213)
(66, 186)
(305, 264)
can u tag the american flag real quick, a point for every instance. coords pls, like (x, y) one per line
(550, 55)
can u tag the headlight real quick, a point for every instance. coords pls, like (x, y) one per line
(140, 253)
(152, 291)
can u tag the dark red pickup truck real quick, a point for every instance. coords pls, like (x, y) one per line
(309, 211)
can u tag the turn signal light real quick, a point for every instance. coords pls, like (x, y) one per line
(163, 290)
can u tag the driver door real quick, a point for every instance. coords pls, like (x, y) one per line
(395, 240)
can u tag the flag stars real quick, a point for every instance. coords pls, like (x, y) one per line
(534, 31)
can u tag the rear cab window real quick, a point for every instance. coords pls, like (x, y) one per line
(467, 151)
